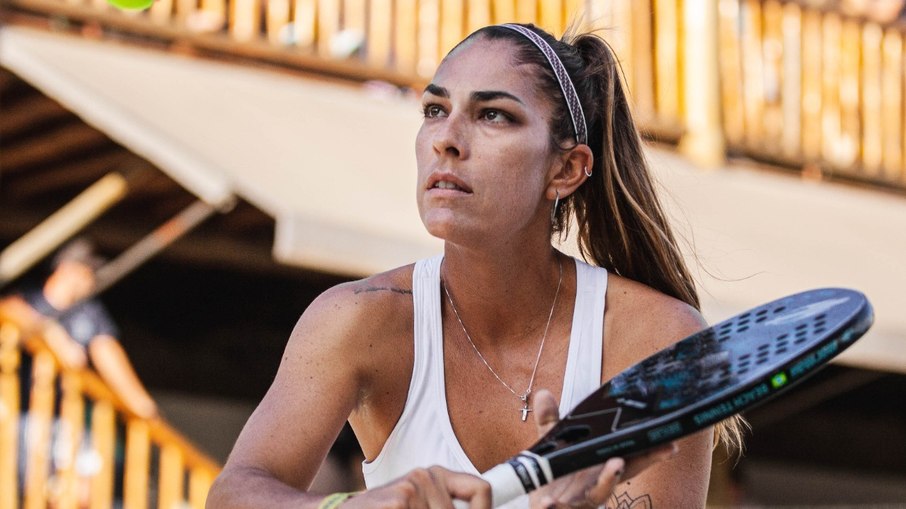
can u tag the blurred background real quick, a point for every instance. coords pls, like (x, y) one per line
(231, 159)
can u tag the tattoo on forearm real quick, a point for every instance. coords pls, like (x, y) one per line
(624, 501)
(401, 291)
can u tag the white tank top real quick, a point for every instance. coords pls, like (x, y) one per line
(423, 435)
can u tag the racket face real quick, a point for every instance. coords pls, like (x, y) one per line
(707, 377)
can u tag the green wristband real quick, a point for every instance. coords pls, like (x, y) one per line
(334, 500)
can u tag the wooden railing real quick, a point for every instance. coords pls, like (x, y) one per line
(80, 446)
(813, 88)
(402, 41)
(769, 79)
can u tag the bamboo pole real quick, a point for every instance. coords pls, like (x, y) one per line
(27, 250)
(151, 244)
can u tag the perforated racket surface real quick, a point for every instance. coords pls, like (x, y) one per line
(705, 378)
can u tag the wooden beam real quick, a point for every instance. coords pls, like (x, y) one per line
(71, 138)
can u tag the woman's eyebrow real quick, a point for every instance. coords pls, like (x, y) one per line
(479, 96)
(490, 95)
(437, 90)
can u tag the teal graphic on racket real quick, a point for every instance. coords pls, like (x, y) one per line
(703, 379)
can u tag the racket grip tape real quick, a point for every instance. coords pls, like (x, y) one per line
(517, 476)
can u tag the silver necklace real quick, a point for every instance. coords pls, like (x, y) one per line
(525, 395)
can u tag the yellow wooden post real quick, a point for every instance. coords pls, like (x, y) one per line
(871, 99)
(703, 140)
(811, 85)
(791, 142)
(355, 18)
(200, 481)
(752, 72)
(170, 495)
(832, 150)
(305, 16)
(504, 11)
(137, 464)
(328, 25)
(892, 103)
(452, 24)
(380, 32)
(772, 51)
(730, 58)
(668, 59)
(103, 440)
(72, 419)
(550, 16)
(245, 16)
(526, 11)
(277, 21)
(479, 15)
(9, 415)
(38, 433)
(640, 74)
(406, 36)
(428, 37)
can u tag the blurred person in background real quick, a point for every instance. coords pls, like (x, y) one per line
(78, 329)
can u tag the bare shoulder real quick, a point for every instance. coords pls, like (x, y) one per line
(641, 321)
(353, 311)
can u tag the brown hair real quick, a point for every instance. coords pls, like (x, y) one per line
(622, 226)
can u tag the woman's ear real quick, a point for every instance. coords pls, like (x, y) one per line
(571, 169)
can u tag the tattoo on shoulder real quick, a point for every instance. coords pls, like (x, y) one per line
(624, 501)
(401, 291)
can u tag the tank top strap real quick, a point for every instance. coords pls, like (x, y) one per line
(583, 365)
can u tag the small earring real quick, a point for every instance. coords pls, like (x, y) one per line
(587, 171)
(554, 209)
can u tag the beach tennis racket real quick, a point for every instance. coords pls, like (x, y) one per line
(703, 379)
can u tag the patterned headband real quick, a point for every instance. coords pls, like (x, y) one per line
(566, 84)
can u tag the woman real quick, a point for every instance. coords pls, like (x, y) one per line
(441, 363)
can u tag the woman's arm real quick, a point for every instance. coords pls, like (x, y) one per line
(641, 322)
(321, 380)
(112, 363)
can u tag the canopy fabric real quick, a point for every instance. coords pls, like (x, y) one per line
(335, 167)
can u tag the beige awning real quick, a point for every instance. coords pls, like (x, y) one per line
(335, 167)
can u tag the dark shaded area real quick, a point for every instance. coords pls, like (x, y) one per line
(209, 330)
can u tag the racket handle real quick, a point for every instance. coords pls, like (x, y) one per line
(516, 477)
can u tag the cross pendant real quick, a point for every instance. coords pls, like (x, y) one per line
(525, 408)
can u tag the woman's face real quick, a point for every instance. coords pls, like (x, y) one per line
(483, 151)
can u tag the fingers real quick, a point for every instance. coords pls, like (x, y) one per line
(593, 486)
(465, 487)
(546, 410)
(428, 488)
(610, 476)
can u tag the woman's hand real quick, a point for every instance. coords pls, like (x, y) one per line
(427, 488)
(593, 486)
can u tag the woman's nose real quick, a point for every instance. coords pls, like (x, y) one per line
(450, 138)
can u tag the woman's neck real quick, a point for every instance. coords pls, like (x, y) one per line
(504, 295)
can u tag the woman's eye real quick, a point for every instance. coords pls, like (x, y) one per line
(432, 111)
(495, 116)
